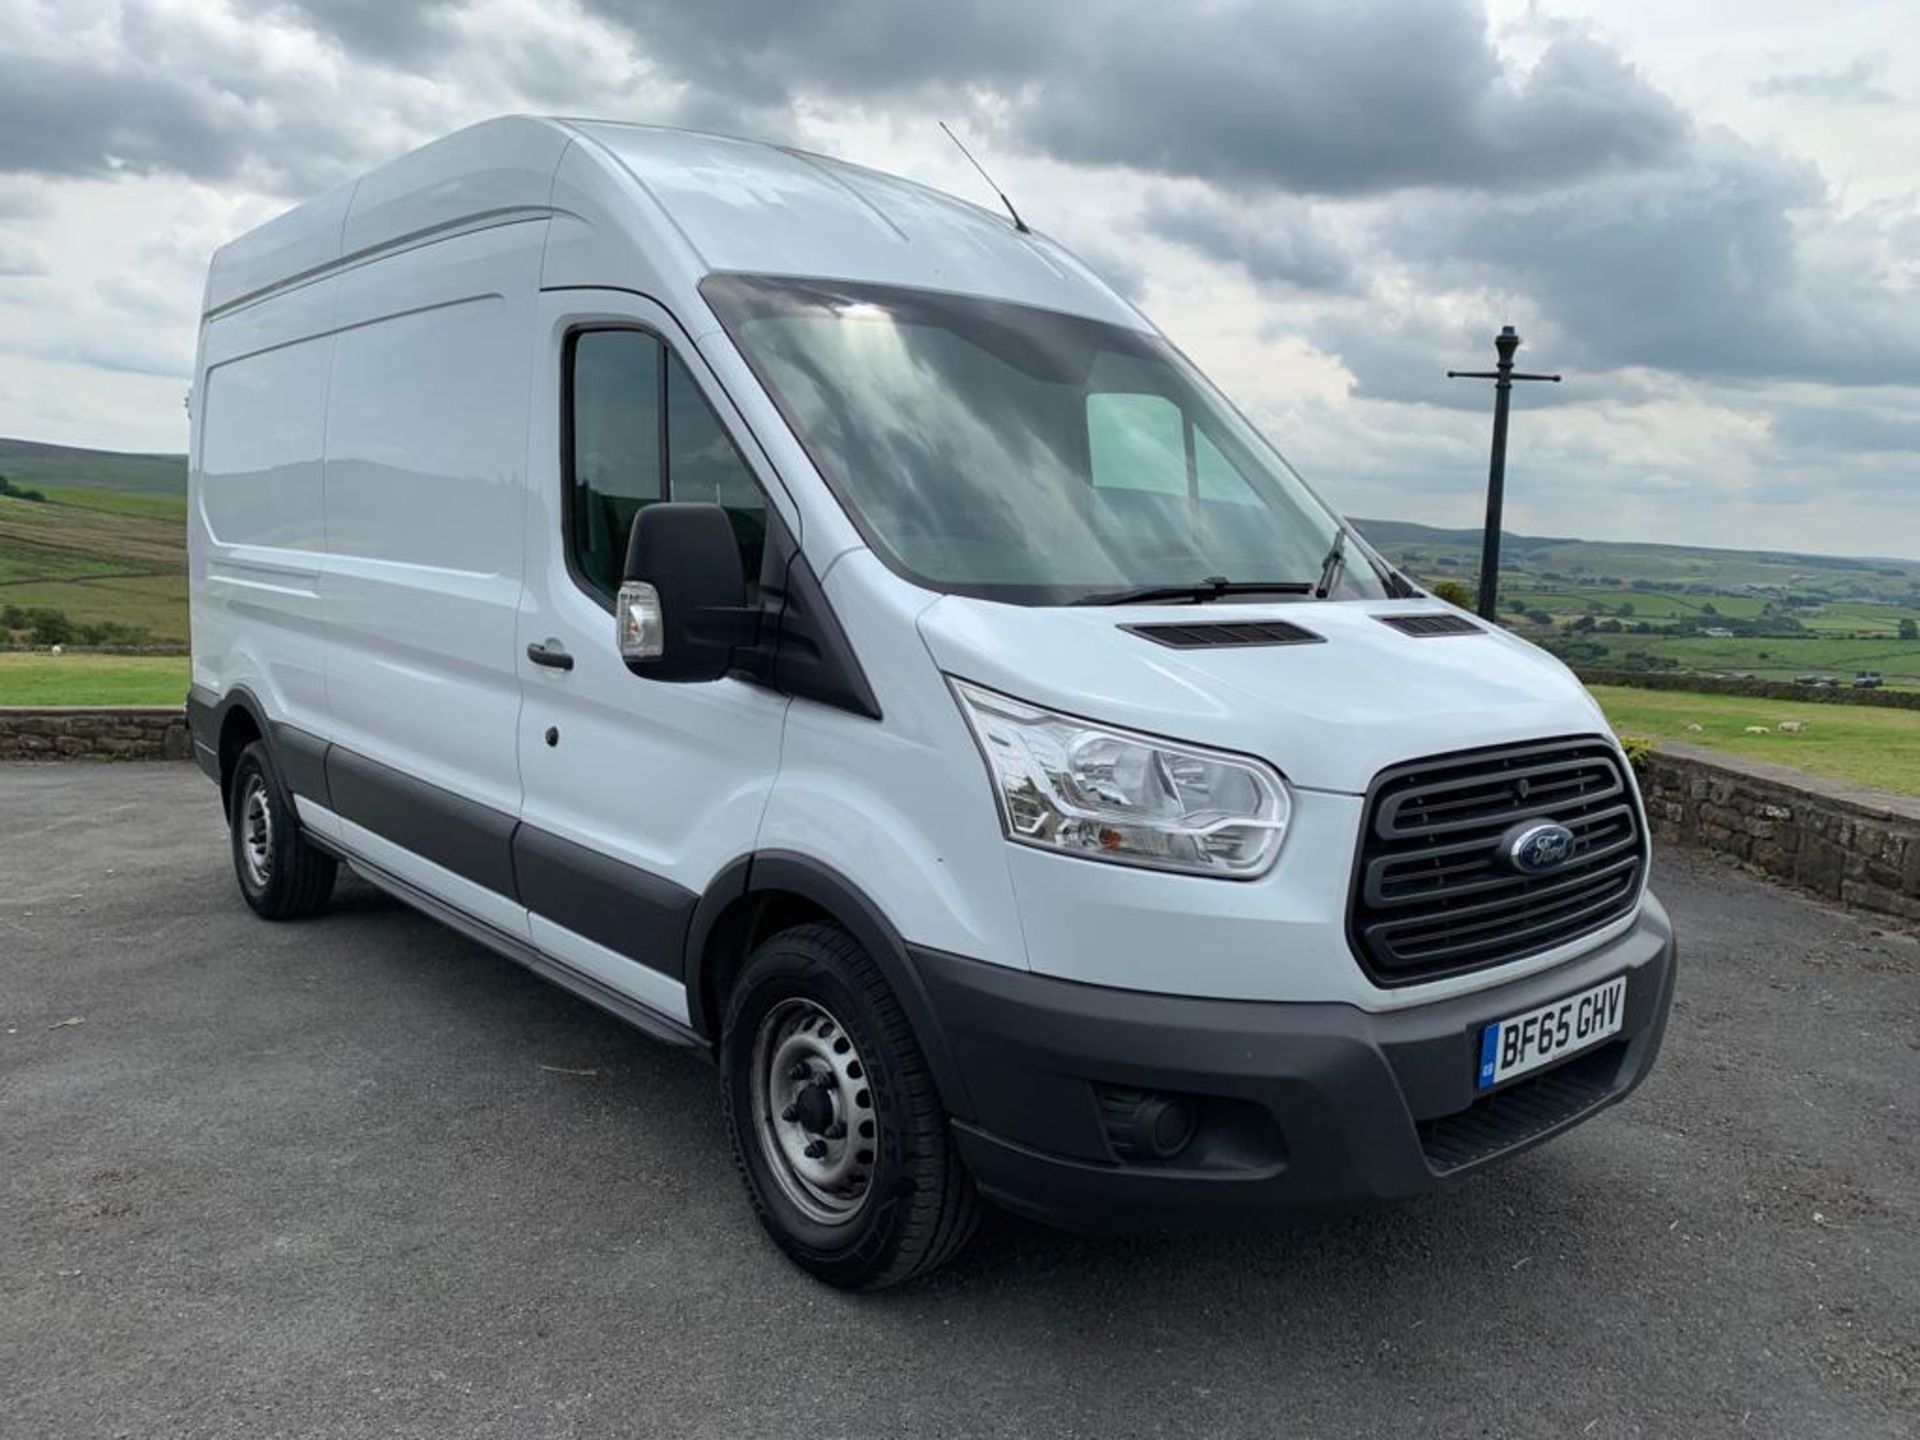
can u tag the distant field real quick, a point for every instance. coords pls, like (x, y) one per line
(157, 603)
(1647, 605)
(37, 678)
(120, 502)
(1898, 661)
(1847, 742)
(98, 556)
(1536, 562)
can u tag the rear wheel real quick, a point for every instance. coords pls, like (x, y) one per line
(281, 876)
(836, 1126)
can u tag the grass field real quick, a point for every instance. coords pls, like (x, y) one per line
(1859, 743)
(38, 678)
(120, 502)
(1773, 658)
(1646, 604)
(98, 556)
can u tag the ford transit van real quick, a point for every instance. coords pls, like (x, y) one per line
(818, 621)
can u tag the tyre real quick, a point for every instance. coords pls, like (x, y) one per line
(281, 876)
(836, 1126)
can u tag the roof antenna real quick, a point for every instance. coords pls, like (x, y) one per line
(1018, 223)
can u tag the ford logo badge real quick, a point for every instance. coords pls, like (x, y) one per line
(1537, 848)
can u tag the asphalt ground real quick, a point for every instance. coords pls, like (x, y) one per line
(358, 1177)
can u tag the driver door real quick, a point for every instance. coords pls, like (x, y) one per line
(637, 792)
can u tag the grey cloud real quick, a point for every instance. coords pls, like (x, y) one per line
(1327, 98)
(1695, 268)
(67, 117)
(1276, 243)
(1315, 101)
(22, 259)
(1849, 429)
(1856, 84)
(392, 30)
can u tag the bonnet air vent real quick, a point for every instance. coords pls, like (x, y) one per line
(1437, 623)
(1226, 635)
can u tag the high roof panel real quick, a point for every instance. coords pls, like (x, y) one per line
(763, 209)
(736, 204)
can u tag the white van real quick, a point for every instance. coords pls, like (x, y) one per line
(818, 621)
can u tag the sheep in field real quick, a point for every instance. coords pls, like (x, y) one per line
(1792, 727)
(1758, 730)
(1695, 728)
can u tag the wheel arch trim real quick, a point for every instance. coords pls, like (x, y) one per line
(727, 907)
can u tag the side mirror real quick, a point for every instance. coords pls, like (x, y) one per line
(682, 610)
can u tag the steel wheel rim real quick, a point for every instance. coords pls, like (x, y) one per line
(813, 1111)
(256, 833)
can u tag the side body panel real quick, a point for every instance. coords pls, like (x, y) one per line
(425, 499)
(256, 541)
(900, 806)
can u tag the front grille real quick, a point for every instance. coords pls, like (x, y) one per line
(1433, 894)
(1226, 634)
(1524, 1111)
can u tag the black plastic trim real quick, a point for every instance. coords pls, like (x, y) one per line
(787, 872)
(1226, 634)
(301, 758)
(1377, 828)
(812, 658)
(1352, 1100)
(1428, 625)
(640, 915)
(203, 727)
(473, 840)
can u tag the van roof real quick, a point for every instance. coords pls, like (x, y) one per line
(718, 203)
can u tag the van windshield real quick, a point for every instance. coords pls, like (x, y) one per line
(1025, 455)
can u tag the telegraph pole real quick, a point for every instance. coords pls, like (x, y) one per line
(1503, 375)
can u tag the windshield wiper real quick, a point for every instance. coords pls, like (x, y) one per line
(1330, 567)
(1212, 588)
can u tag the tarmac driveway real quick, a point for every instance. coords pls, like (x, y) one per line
(358, 1177)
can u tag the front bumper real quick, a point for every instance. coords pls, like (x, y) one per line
(1299, 1105)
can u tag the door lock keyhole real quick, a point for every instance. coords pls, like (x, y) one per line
(553, 735)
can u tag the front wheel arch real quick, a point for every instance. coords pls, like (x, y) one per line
(772, 890)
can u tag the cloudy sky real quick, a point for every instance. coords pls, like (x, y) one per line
(1707, 214)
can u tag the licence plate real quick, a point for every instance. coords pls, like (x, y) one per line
(1551, 1033)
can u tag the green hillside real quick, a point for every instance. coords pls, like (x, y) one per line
(1776, 615)
(31, 464)
(100, 557)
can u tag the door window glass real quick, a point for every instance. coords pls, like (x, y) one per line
(641, 433)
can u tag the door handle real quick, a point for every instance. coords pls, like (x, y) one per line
(551, 654)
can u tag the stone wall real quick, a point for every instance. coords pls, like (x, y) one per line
(1843, 694)
(1842, 842)
(62, 733)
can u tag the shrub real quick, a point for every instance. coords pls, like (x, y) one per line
(1638, 747)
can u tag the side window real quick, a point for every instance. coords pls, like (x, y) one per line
(617, 460)
(641, 432)
(1135, 442)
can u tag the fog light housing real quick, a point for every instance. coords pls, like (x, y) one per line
(1146, 1127)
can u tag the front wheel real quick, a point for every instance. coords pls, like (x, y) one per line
(836, 1126)
(281, 876)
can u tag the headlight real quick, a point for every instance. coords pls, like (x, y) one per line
(1084, 789)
